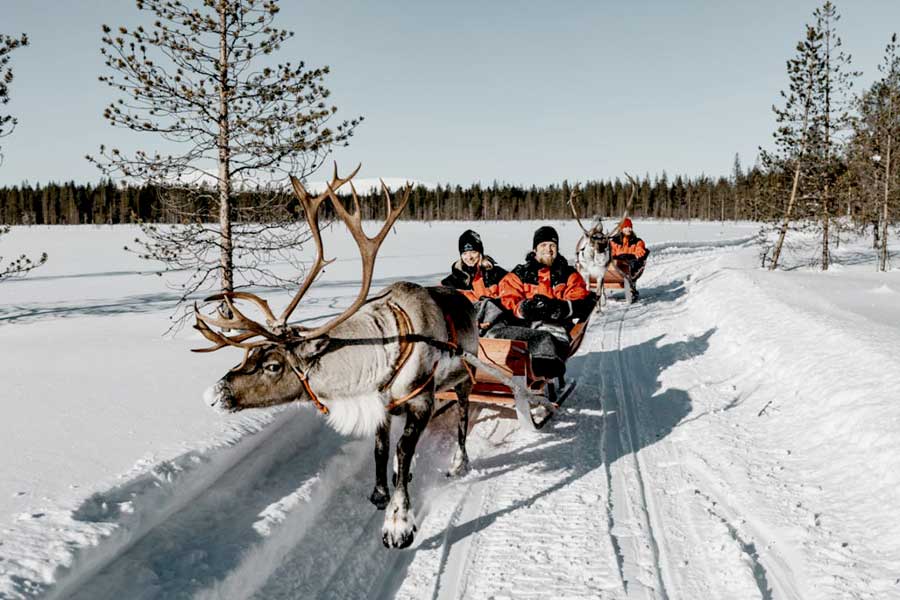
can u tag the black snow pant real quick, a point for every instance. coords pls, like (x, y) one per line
(548, 352)
(637, 267)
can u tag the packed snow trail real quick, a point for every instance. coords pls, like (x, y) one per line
(567, 513)
(673, 472)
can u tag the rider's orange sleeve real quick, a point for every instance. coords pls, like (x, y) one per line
(512, 292)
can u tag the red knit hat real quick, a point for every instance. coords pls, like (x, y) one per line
(626, 223)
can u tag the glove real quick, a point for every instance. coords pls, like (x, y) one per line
(534, 309)
(542, 308)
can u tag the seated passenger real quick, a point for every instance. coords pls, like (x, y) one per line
(477, 277)
(546, 293)
(629, 249)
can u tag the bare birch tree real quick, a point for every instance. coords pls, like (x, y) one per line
(201, 79)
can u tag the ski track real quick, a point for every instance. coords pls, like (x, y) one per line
(605, 505)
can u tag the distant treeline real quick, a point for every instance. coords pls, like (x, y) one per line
(742, 196)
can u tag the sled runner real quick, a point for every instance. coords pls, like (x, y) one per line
(543, 397)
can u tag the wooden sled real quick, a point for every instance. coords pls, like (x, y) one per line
(511, 358)
(615, 278)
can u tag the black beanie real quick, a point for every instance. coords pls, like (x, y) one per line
(545, 234)
(469, 240)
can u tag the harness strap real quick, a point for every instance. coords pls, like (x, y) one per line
(305, 381)
(400, 401)
(452, 344)
(404, 329)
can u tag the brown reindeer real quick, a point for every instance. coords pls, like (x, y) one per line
(383, 356)
(592, 251)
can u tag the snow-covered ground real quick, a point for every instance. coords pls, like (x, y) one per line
(736, 434)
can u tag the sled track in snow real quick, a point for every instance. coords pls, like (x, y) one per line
(324, 539)
(327, 541)
(626, 482)
(626, 400)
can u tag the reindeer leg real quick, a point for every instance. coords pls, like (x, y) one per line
(399, 521)
(380, 495)
(460, 463)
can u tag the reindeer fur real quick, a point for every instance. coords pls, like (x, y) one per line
(347, 370)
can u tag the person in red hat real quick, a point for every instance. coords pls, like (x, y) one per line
(629, 249)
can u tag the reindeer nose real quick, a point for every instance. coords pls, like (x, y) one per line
(219, 397)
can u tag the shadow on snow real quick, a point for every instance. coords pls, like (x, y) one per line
(575, 445)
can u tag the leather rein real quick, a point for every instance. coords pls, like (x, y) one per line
(407, 341)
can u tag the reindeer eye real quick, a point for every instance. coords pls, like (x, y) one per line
(272, 367)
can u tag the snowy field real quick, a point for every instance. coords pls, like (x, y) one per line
(736, 434)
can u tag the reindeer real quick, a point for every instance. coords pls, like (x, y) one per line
(593, 254)
(382, 357)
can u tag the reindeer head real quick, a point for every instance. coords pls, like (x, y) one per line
(276, 369)
(267, 376)
(595, 238)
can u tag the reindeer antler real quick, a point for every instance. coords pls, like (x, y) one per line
(572, 196)
(311, 209)
(275, 328)
(634, 187)
(368, 247)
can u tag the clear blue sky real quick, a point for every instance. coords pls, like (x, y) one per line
(463, 91)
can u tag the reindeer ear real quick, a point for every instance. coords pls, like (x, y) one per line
(312, 347)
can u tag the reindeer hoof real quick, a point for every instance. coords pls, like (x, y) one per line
(380, 498)
(459, 466)
(399, 530)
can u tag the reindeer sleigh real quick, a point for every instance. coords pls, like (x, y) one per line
(593, 255)
(389, 355)
(534, 398)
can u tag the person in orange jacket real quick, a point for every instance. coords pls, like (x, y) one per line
(477, 277)
(545, 293)
(629, 249)
(545, 287)
(474, 275)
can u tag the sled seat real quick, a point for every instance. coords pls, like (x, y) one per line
(512, 359)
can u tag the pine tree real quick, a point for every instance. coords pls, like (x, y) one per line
(831, 120)
(874, 146)
(201, 77)
(793, 135)
(21, 265)
(7, 45)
